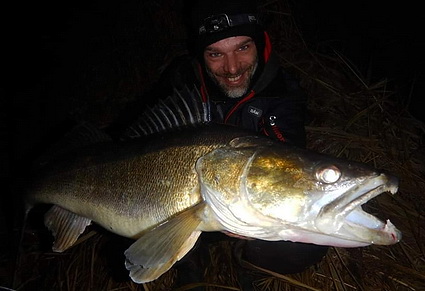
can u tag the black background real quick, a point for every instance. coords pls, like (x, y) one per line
(48, 38)
(49, 44)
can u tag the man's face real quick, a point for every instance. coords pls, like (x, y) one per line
(231, 63)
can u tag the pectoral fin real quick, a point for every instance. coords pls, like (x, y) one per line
(65, 226)
(156, 251)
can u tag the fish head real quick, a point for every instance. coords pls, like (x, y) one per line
(268, 191)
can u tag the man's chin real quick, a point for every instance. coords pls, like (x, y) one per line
(235, 93)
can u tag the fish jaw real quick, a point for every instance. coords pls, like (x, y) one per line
(317, 199)
(344, 217)
(275, 196)
(345, 225)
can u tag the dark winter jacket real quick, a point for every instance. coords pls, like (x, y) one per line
(275, 105)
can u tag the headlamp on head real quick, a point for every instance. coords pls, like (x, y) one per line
(220, 22)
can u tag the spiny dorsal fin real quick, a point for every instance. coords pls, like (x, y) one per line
(84, 134)
(81, 135)
(182, 109)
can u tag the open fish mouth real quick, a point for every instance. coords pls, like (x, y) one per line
(345, 218)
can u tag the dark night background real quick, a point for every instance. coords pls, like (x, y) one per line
(53, 46)
(53, 43)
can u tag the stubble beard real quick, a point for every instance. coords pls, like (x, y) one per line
(234, 92)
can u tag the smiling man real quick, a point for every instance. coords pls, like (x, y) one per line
(232, 62)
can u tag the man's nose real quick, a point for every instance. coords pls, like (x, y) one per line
(231, 64)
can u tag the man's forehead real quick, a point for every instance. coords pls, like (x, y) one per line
(230, 42)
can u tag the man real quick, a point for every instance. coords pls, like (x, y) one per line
(233, 64)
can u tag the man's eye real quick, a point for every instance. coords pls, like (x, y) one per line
(215, 55)
(244, 47)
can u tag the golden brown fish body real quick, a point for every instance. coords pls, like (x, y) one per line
(165, 190)
(131, 187)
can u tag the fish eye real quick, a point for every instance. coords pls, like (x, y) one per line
(329, 174)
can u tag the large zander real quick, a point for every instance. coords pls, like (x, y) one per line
(166, 189)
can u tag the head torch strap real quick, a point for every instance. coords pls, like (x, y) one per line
(220, 22)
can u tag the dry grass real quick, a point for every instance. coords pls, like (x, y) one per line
(349, 118)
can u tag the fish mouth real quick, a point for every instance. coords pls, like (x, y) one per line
(344, 217)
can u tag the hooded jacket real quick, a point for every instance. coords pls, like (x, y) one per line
(275, 105)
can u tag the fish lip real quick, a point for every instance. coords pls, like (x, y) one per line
(347, 219)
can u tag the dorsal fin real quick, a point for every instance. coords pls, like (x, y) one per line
(81, 135)
(182, 109)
